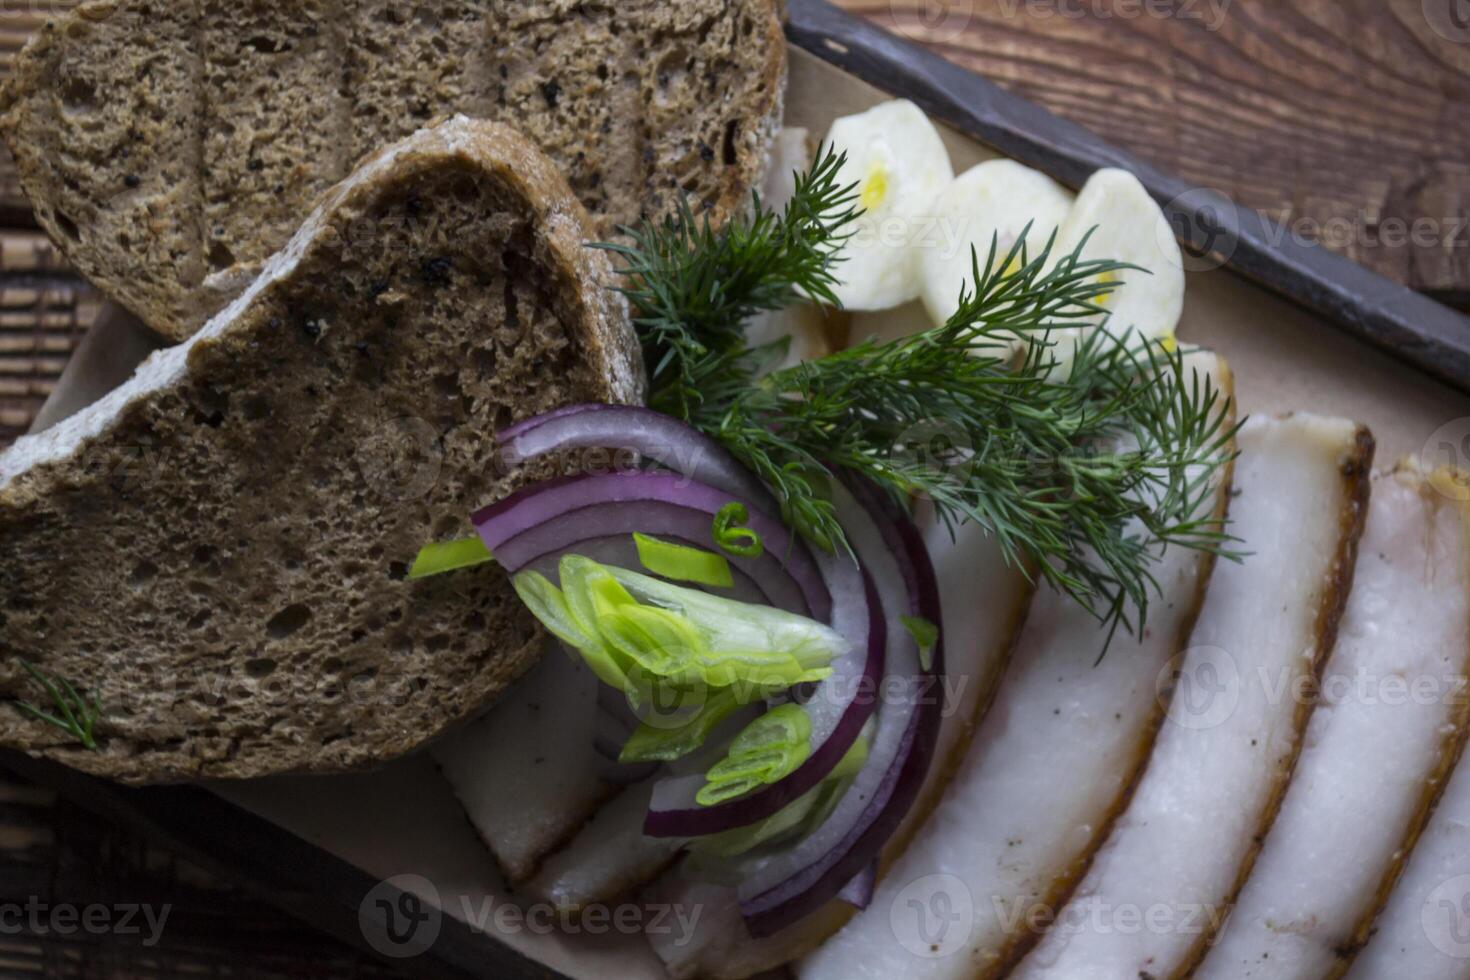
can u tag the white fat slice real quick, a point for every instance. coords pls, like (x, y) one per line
(609, 857)
(720, 948)
(991, 203)
(899, 163)
(984, 603)
(1126, 225)
(1423, 932)
(528, 772)
(1049, 768)
(1379, 747)
(718, 938)
(1158, 889)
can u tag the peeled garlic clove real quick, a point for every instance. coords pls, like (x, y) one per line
(1126, 226)
(899, 163)
(993, 202)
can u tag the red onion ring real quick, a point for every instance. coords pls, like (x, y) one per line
(840, 857)
(510, 432)
(859, 892)
(685, 525)
(555, 500)
(656, 437)
(787, 887)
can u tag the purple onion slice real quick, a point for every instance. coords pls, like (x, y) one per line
(783, 888)
(859, 892)
(546, 504)
(657, 438)
(510, 432)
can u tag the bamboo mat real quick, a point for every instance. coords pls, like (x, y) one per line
(55, 855)
(44, 307)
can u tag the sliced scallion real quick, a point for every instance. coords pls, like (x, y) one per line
(449, 556)
(682, 563)
(730, 534)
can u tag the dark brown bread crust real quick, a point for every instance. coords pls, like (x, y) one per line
(171, 146)
(219, 548)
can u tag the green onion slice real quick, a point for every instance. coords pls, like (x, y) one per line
(688, 637)
(795, 821)
(683, 563)
(449, 556)
(733, 538)
(926, 635)
(767, 751)
(549, 604)
(665, 644)
(664, 740)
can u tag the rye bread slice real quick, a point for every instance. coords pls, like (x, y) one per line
(171, 146)
(219, 547)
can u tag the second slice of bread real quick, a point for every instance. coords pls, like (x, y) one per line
(171, 146)
(218, 549)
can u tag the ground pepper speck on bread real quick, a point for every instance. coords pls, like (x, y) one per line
(219, 548)
(170, 146)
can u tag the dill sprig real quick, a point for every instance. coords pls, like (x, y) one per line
(693, 289)
(1084, 472)
(73, 713)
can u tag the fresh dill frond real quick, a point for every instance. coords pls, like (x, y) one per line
(692, 289)
(71, 712)
(1083, 474)
(1084, 471)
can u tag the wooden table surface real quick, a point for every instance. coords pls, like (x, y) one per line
(1347, 121)
(1341, 119)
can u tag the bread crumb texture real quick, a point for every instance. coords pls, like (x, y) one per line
(219, 548)
(171, 146)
